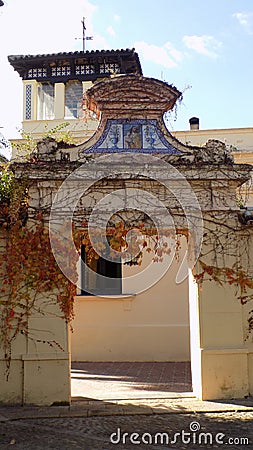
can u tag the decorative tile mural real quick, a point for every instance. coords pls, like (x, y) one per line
(138, 135)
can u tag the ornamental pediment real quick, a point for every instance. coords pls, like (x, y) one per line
(131, 96)
(131, 110)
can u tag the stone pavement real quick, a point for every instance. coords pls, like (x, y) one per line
(124, 380)
(153, 400)
(100, 425)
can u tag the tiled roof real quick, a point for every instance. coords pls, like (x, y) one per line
(21, 61)
(127, 60)
(72, 54)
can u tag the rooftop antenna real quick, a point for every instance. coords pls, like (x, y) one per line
(85, 38)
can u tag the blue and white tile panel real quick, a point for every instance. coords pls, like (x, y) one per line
(143, 136)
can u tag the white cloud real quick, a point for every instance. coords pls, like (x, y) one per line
(205, 45)
(176, 54)
(98, 43)
(110, 30)
(25, 29)
(116, 17)
(29, 27)
(245, 20)
(165, 55)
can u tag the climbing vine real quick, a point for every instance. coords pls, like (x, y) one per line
(27, 267)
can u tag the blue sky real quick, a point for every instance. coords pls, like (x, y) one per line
(203, 47)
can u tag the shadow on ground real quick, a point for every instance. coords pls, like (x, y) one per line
(130, 379)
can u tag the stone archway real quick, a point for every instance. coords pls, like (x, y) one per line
(141, 155)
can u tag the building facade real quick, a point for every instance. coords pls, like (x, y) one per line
(54, 86)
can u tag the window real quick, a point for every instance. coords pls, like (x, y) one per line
(45, 101)
(73, 99)
(85, 69)
(28, 102)
(92, 284)
(37, 72)
(110, 68)
(61, 71)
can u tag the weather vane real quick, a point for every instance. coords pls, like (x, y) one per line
(85, 38)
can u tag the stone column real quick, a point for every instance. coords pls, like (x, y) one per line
(59, 100)
(218, 353)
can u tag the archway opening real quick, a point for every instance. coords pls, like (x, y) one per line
(136, 344)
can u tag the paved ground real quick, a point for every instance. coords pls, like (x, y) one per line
(124, 380)
(101, 425)
(105, 424)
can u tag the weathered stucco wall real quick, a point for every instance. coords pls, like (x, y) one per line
(37, 370)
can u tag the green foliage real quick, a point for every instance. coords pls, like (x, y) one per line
(28, 146)
(6, 180)
(59, 134)
(240, 201)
